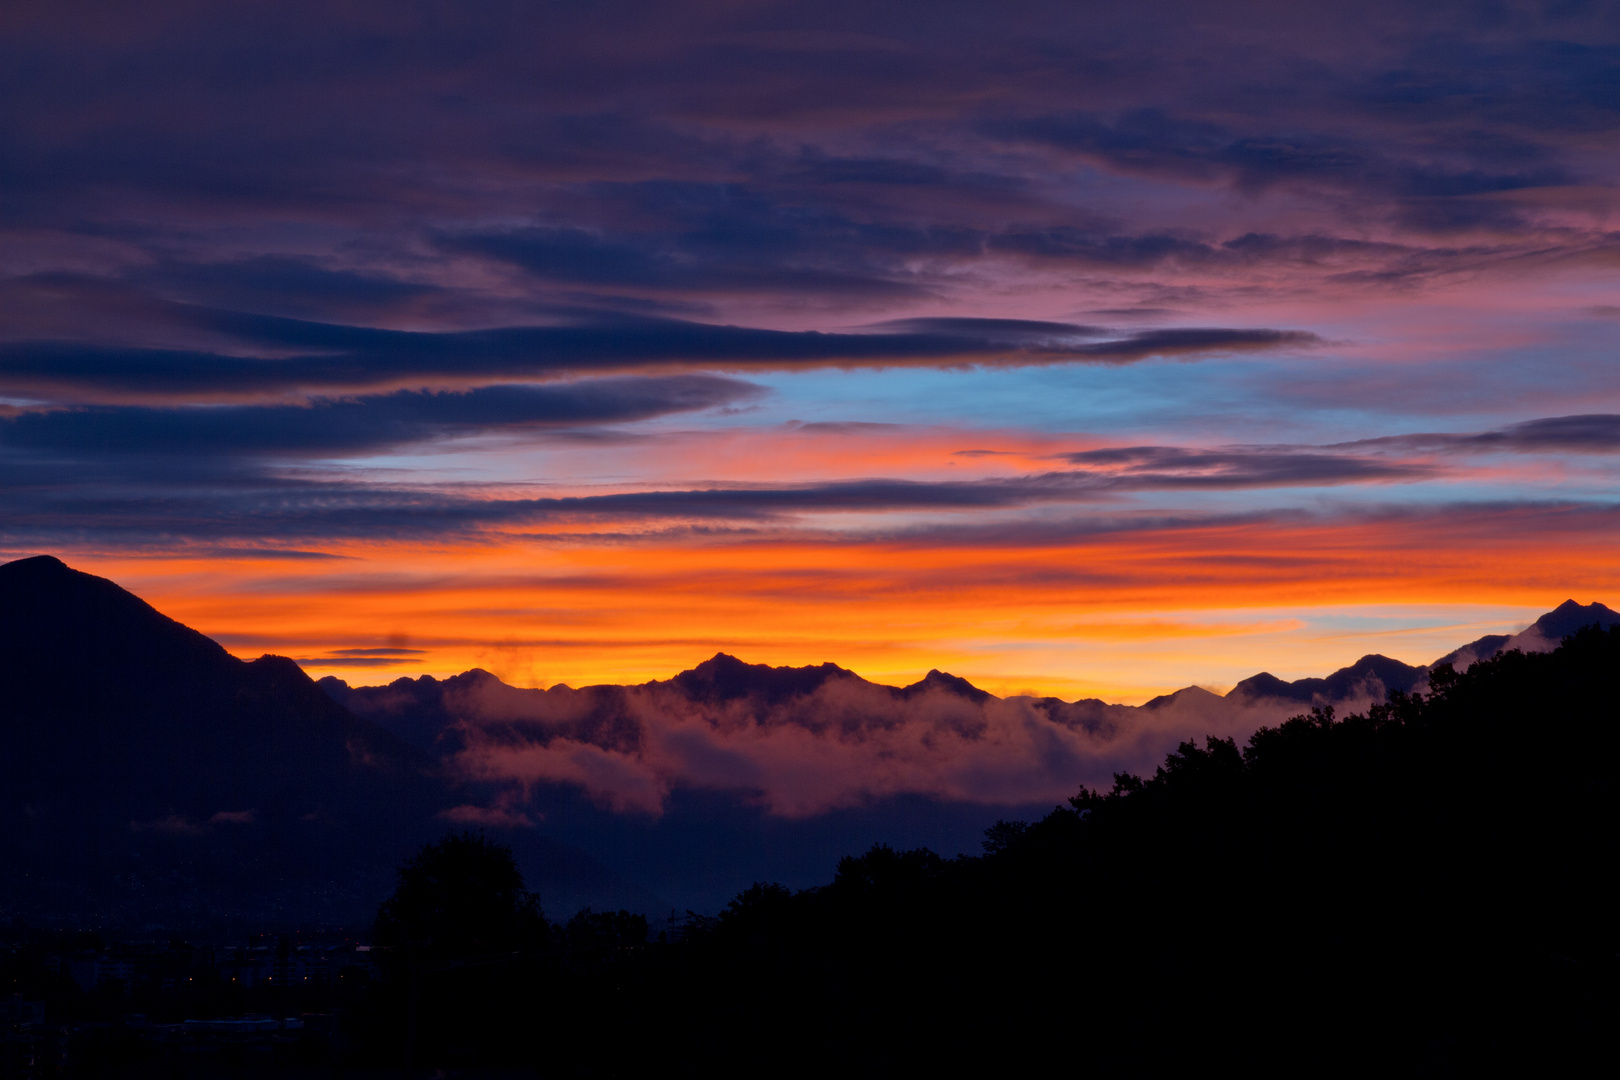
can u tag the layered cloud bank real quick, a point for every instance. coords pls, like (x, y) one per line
(797, 741)
(803, 741)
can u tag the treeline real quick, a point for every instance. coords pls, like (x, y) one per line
(1425, 889)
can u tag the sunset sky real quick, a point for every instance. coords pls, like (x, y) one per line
(1076, 349)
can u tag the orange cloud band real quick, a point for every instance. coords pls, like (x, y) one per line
(1047, 608)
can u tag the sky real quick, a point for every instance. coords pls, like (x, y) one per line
(1076, 349)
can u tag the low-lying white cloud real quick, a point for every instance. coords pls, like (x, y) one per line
(840, 743)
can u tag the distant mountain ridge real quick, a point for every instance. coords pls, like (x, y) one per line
(423, 710)
(1375, 675)
(1543, 635)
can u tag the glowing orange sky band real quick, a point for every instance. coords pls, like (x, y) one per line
(1209, 603)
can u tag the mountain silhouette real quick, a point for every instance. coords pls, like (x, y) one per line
(414, 710)
(1186, 695)
(425, 711)
(939, 681)
(1373, 676)
(146, 773)
(1569, 617)
(1540, 636)
(726, 678)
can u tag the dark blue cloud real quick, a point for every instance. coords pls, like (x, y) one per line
(691, 263)
(327, 427)
(1011, 330)
(254, 157)
(1087, 246)
(1156, 141)
(1590, 433)
(329, 355)
(282, 285)
(1180, 467)
(782, 232)
(1594, 432)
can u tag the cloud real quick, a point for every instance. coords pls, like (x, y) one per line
(1010, 331)
(283, 285)
(803, 741)
(1597, 433)
(875, 129)
(220, 477)
(1181, 467)
(687, 263)
(494, 817)
(869, 170)
(1076, 341)
(173, 823)
(1590, 433)
(365, 424)
(323, 356)
(88, 471)
(233, 817)
(1101, 247)
(1179, 143)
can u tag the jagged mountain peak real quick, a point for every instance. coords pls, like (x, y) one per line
(724, 677)
(1570, 616)
(1186, 693)
(1372, 676)
(35, 564)
(1543, 634)
(948, 683)
(57, 619)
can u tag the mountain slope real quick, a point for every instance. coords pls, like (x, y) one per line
(1543, 635)
(1343, 896)
(1372, 677)
(147, 774)
(101, 687)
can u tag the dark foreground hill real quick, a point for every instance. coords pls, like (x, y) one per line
(1424, 886)
(1421, 890)
(148, 776)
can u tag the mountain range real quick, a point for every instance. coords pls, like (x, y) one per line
(430, 714)
(150, 778)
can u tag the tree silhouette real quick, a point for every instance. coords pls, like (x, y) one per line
(460, 899)
(452, 939)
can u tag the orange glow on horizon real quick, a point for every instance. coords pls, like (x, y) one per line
(1122, 616)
